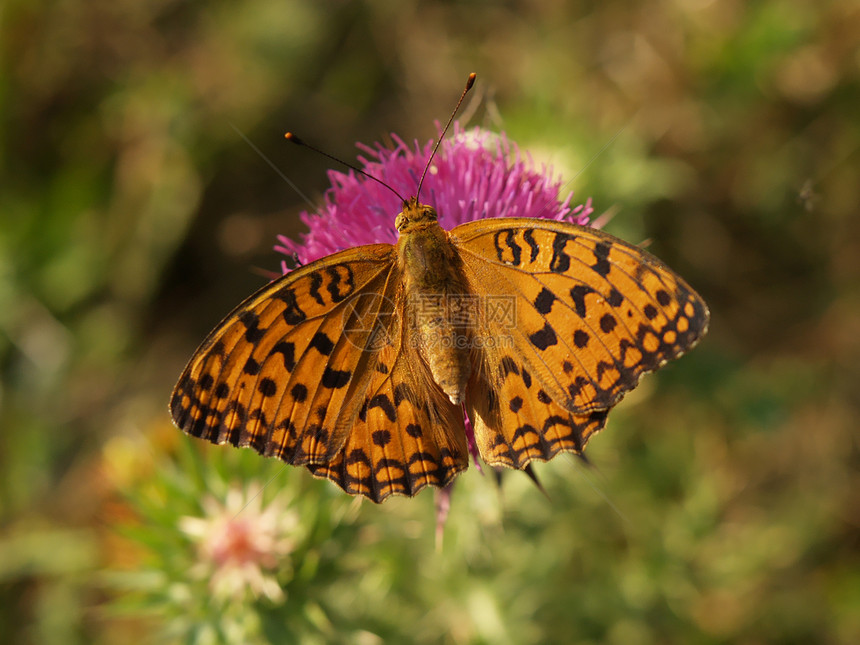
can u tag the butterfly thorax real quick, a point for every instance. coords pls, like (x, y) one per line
(434, 289)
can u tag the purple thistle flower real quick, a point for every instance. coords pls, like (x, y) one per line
(476, 174)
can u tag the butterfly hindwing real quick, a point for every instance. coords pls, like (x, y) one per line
(278, 373)
(514, 419)
(406, 436)
(592, 313)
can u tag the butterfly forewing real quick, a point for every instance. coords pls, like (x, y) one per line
(593, 313)
(275, 374)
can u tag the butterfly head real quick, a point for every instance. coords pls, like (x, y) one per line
(414, 216)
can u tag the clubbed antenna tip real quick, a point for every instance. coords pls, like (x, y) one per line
(289, 136)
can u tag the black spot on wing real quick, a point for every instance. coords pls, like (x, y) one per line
(528, 236)
(314, 289)
(576, 387)
(334, 379)
(357, 456)
(543, 338)
(299, 393)
(382, 402)
(509, 246)
(292, 313)
(543, 301)
(288, 351)
(322, 343)
(601, 253)
(607, 323)
(238, 414)
(339, 287)
(516, 404)
(507, 366)
(381, 437)
(527, 378)
(253, 334)
(577, 295)
(615, 298)
(560, 262)
(252, 367)
(319, 433)
(267, 387)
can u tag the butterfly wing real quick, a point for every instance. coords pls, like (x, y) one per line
(407, 435)
(514, 419)
(312, 369)
(577, 317)
(280, 373)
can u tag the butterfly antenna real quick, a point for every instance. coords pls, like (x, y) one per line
(289, 136)
(469, 83)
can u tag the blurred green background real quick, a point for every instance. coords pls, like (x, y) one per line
(724, 505)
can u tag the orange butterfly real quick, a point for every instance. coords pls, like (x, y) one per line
(359, 365)
(355, 365)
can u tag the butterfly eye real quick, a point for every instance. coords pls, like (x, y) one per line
(428, 214)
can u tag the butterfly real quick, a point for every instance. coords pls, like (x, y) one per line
(360, 365)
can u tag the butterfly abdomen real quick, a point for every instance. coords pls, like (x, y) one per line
(437, 316)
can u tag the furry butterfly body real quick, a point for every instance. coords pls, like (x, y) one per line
(359, 365)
